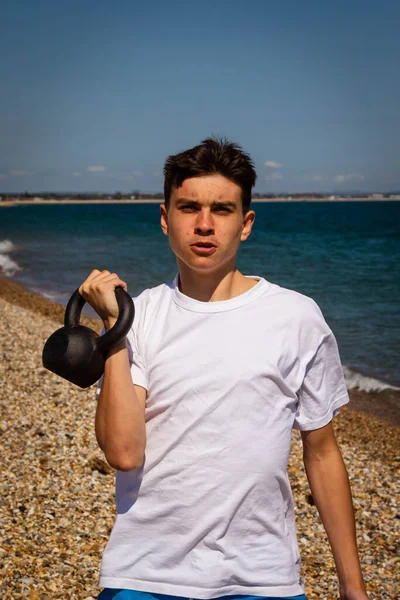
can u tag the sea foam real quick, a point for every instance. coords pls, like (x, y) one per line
(8, 266)
(356, 380)
(6, 246)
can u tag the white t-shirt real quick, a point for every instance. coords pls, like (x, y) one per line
(210, 513)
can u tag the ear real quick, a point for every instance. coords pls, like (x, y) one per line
(247, 225)
(164, 219)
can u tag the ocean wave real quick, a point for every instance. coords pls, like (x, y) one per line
(6, 246)
(52, 296)
(356, 380)
(8, 266)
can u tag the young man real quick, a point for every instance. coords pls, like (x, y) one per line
(197, 405)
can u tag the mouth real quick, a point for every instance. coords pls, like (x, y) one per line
(204, 248)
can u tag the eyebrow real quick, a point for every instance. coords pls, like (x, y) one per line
(224, 203)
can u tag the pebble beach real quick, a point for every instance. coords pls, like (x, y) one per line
(57, 491)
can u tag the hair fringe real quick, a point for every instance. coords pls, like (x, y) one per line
(214, 154)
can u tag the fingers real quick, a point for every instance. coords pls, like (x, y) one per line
(96, 277)
(112, 279)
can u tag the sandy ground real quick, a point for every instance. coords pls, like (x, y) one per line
(57, 491)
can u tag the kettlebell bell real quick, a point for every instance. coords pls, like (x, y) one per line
(77, 353)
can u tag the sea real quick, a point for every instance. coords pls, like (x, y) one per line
(345, 255)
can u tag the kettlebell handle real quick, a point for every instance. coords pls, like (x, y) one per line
(122, 324)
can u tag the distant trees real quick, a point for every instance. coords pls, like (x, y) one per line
(138, 195)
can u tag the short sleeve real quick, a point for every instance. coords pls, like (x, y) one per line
(136, 362)
(323, 390)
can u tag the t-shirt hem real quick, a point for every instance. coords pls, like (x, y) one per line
(201, 593)
(322, 421)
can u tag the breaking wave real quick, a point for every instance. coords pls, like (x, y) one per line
(8, 266)
(356, 380)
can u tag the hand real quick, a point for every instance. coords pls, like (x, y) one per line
(99, 291)
(358, 594)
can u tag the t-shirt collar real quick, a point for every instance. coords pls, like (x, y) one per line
(223, 305)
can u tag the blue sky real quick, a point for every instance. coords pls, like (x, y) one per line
(96, 94)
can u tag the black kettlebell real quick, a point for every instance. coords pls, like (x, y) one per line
(77, 353)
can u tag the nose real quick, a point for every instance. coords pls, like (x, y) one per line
(204, 222)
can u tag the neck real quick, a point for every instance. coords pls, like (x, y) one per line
(213, 287)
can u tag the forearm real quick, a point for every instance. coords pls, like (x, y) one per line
(120, 422)
(330, 487)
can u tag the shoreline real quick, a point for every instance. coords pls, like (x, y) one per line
(9, 203)
(17, 294)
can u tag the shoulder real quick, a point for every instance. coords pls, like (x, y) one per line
(301, 314)
(295, 303)
(148, 303)
(152, 296)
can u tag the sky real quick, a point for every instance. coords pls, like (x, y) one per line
(96, 94)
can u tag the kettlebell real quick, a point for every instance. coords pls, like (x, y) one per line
(77, 353)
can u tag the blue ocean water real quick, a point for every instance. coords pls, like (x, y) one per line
(345, 255)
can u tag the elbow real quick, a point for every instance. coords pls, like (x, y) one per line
(124, 462)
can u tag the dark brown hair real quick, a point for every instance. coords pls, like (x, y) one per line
(213, 155)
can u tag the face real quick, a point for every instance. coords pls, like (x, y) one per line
(205, 223)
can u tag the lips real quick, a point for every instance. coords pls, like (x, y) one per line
(204, 244)
(203, 248)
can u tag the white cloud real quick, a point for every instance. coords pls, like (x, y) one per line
(129, 176)
(97, 169)
(349, 177)
(315, 178)
(19, 173)
(274, 177)
(272, 164)
(76, 174)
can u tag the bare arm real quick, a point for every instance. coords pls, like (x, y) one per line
(330, 487)
(120, 415)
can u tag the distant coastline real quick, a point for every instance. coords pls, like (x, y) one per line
(297, 198)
